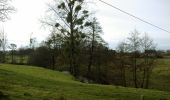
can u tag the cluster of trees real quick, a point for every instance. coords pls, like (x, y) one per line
(75, 31)
(130, 65)
(75, 45)
(137, 55)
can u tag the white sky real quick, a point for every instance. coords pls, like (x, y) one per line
(116, 25)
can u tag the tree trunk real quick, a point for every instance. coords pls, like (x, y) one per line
(124, 76)
(12, 57)
(53, 62)
(73, 65)
(143, 79)
(145, 71)
(91, 52)
(3, 57)
(135, 70)
(147, 78)
(123, 72)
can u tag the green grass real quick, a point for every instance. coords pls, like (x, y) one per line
(160, 78)
(18, 82)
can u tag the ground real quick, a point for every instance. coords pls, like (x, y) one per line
(18, 82)
(160, 78)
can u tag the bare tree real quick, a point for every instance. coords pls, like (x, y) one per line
(134, 47)
(54, 43)
(5, 9)
(94, 38)
(13, 48)
(142, 50)
(122, 50)
(3, 44)
(148, 47)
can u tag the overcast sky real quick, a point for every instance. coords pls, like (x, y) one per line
(116, 25)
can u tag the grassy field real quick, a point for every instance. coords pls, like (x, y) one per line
(160, 78)
(33, 83)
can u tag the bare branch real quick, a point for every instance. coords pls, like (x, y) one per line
(5, 9)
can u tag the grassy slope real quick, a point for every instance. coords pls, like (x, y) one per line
(33, 83)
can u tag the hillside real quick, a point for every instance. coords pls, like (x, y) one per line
(18, 82)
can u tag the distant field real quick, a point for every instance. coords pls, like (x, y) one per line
(160, 78)
(34, 83)
(17, 59)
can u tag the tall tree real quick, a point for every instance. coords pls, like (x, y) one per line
(94, 38)
(13, 47)
(21, 54)
(134, 47)
(3, 44)
(148, 47)
(122, 50)
(69, 17)
(54, 43)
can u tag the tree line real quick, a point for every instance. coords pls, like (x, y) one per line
(76, 45)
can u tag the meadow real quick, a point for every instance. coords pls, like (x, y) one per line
(20, 82)
(160, 77)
